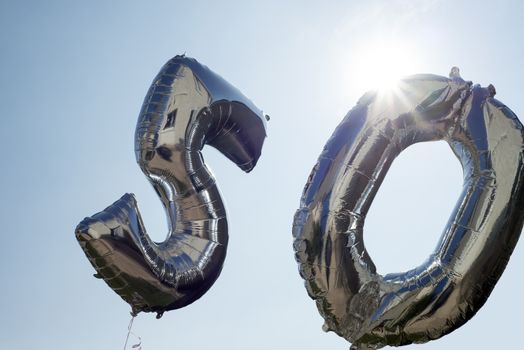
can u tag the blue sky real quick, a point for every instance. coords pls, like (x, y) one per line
(72, 79)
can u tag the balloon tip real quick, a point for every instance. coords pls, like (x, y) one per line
(492, 90)
(455, 72)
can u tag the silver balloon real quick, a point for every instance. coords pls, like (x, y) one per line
(187, 107)
(433, 299)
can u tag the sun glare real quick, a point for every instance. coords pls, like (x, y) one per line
(380, 65)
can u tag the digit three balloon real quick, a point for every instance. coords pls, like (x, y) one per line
(187, 107)
(443, 293)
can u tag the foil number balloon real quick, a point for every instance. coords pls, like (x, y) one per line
(187, 107)
(443, 293)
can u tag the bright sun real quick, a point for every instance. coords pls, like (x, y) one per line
(380, 65)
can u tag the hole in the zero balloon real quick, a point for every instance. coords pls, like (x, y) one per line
(412, 206)
(171, 117)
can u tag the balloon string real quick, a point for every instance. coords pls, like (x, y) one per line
(135, 346)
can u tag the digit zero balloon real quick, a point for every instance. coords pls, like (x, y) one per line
(187, 106)
(431, 300)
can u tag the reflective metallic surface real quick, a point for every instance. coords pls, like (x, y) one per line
(433, 299)
(187, 107)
